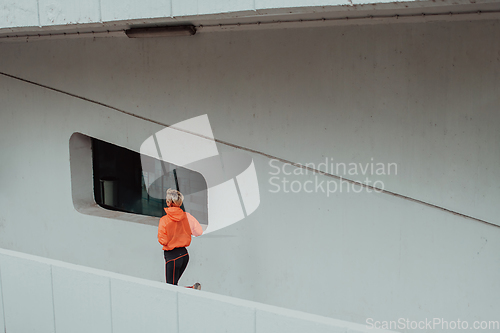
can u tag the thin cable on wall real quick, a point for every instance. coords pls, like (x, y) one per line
(253, 151)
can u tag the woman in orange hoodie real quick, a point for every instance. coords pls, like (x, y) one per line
(174, 233)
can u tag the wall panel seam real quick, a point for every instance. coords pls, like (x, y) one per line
(110, 306)
(100, 10)
(52, 293)
(38, 12)
(255, 320)
(177, 305)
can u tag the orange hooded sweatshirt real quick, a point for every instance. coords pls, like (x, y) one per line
(175, 228)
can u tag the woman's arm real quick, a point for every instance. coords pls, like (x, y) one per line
(195, 226)
(162, 232)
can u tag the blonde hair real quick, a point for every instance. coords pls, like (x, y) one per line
(174, 197)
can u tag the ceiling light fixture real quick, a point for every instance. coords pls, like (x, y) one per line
(166, 31)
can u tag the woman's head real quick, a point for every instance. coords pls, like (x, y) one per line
(174, 198)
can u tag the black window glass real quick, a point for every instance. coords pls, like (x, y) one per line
(123, 183)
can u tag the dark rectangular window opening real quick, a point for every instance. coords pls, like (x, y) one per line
(122, 183)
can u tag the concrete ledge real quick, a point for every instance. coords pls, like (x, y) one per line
(26, 291)
(135, 308)
(130, 9)
(63, 297)
(18, 13)
(205, 312)
(81, 301)
(276, 320)
(60, 12)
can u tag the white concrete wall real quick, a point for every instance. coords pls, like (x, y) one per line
(16, 15)
(45, 296)
(424, 96)
(34, 13)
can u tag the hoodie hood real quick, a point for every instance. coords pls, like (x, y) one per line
(175, 213)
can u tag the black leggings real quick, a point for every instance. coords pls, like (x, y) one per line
(176, 261)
